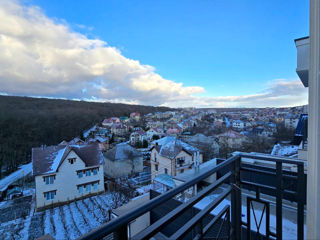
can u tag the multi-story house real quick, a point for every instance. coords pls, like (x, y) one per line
(137, 136)
(172, 156)
(66, 172)
(291, 122)
(238, 124)
(119, 129)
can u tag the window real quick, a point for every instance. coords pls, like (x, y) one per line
(88, 188)
(80, 189)
(80, 174)
(49, 195)
(180, 160)
(182, 170)
(88, 173)
(95, 186)
(49, 179)
(156, 167)
(72, 160)
(166, 171)
(95, 171)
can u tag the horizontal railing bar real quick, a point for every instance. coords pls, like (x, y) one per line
(199, 216)
(267, 187)
(257, 171)
(271, 158)
(258, 185)
(158, 225)
(115, 224)
(266, 172)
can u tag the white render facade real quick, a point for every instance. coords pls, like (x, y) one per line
(72, 180)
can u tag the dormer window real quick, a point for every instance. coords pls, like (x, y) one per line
(72, 160)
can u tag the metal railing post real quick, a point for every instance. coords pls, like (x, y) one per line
(279, 199)
(236, 203)
(300, 200)
(122, 233)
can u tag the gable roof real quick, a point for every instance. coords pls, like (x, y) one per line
(48, 159)
(122, 151)
(170, 147)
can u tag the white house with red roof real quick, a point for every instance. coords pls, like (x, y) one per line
(135, 116)
(109, 121)
(67, 172)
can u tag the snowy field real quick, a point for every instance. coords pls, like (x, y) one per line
(66, 222)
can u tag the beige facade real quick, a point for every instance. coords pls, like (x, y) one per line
(65, 184)
(163, 165)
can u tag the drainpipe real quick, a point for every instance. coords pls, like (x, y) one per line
(313, 176)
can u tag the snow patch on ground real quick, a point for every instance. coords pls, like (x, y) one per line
(24, 170)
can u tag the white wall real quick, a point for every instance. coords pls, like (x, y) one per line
(66, 182)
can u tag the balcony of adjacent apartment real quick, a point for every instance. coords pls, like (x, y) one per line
(253, 196)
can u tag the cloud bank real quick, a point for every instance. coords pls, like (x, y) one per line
(42, 57)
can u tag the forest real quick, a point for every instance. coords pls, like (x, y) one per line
(27, 122)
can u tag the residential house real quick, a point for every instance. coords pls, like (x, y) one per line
(110, 121)
(76, 141)
(174, 131)
(66, 172)
(291, 122)
(137, 136)
(172, 156)
(119, 129)
(238, 125)
(135, 116)
(122, 160)
(103, 142)
(154, 131)
(124, 119)
(231, 138)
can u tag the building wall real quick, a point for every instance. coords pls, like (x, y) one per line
(163, 163)
(169, 164)
(122, 168)
(291, 122)
(66, 182)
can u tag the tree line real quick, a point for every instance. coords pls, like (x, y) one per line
(31, 122)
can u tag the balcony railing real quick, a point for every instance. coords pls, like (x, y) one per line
(233, 175)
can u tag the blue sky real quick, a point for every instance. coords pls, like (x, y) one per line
(229, 48)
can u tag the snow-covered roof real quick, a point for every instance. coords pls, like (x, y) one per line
(86, 133)
(47, 160)
(170, 147)
(122, 151)
(284, 150)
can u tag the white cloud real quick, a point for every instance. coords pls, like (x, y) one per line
(42, 57)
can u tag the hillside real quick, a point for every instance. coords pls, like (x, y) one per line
(30, 122)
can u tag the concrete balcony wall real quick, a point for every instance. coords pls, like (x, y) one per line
(303, 55)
